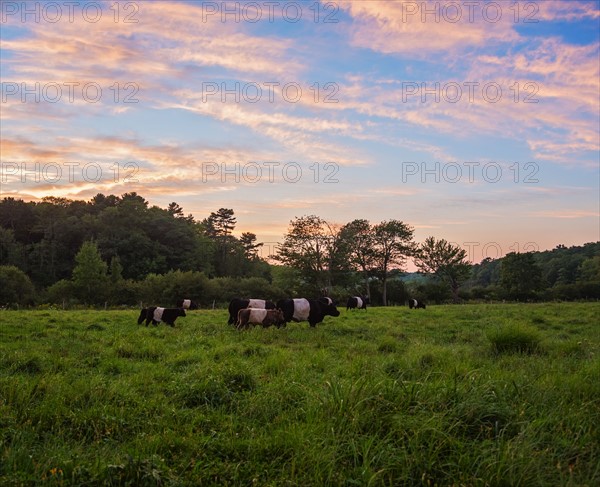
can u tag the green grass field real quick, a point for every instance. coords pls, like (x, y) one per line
(452, 395)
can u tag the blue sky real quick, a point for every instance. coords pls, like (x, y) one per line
(463, 119)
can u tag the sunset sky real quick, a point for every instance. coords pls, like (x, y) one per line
(473, 121)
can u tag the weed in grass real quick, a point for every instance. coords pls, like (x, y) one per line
(20, 364)
(538, 320)
(388, 345)
(514, 338)
(95, 327)
(137, 471)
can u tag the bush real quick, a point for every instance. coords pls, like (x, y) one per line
(16, 286)
(60, 292)
(514, 338)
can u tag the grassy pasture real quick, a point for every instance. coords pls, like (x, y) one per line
(452, 395)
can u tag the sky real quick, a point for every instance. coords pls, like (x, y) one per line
(473, 121)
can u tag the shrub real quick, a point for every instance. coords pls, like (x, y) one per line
(16, 286)
(514, 338)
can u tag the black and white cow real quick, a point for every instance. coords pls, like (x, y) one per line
(156, 314)
(187, 304)
(264, 317)
(236, 304)
(414, 304)
(310, 310)
(325, 300)
(359, 302)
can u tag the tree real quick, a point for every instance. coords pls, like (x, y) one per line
(89, 275)
(309, 247)
(520, 276)
(218, 227)
(116, 270)
(392, 246)
(248, 242)
(176, 211)
(221, 223)
(16, 286)
(11, 252)
(446, 261)
(589, 270)
(359, 244)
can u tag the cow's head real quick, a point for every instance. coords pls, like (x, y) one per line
(330, 310)
(279, 318)
(181, 312)
(142, 316)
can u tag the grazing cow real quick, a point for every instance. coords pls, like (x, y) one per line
(187, 304)
(325, 300)
(236, 304)
(359, 302)
(414, 304)
(264, 317)
(310, 310)
(156, 315)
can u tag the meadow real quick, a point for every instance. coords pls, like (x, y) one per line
(469, 395)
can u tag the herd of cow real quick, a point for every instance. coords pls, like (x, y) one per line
(246, 312)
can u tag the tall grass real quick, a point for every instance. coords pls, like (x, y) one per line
(456, 395)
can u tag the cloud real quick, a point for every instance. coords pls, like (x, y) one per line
(419, 29)
(566, 214)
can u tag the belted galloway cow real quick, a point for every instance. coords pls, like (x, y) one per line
(302, 309)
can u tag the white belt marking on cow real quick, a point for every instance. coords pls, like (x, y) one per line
(359, 302)
(257, 303)
(158, 312)
(187, 303)
(257, 315)
(301, 309)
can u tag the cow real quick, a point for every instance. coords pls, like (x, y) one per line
(359, 302)
(414, 304)
(310, 310)
(325, 300)
(264, 317)
(155, 315)
(187, 304)
(236, 304)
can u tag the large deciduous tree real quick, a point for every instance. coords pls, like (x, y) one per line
(520, 276)
(392, 246)
(89, 275)
(358, 241)
(446, 261)
(309, 246)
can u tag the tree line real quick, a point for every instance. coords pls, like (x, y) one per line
(120, 250)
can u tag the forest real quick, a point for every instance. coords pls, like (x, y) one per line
(122, 251)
